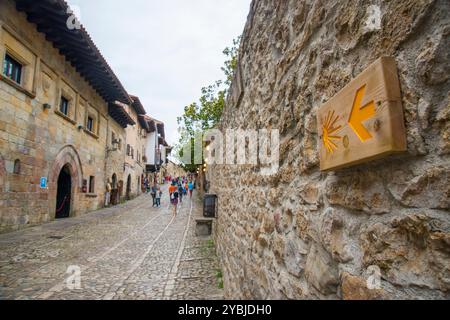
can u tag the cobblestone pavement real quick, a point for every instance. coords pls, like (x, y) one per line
(131, 251)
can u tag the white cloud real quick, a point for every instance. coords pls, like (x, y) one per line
(164, 51)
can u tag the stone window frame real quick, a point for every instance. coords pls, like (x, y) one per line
(66, 101)
(91, 188)
(26, 67)
(63, 93)
(93, 113)
(9, 60)
(17, 166)
(90, 125)
(29, 68)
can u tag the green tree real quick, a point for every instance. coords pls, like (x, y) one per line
(186, 142)
(206, 113)
(231, 64)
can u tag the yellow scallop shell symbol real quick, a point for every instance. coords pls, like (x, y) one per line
(329, 129)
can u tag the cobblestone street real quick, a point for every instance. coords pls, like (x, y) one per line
(131, 251)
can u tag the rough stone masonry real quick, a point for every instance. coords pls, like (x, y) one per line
(306, 234)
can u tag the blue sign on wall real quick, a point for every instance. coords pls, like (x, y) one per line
(44, 183)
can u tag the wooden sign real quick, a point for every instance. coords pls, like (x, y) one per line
(364, 121)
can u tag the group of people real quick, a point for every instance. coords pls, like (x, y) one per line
(179, 188)
(154, 190)
(156, 194)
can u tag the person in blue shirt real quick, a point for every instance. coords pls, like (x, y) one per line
(191, 188)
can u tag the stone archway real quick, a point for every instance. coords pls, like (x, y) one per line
(114, 181)
(69, 160)
(64, 193)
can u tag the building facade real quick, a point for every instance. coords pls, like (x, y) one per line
(135, 148)
(171, 169)
(116, 153)
(156, 150)
(65, 119)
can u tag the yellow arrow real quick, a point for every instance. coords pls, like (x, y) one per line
(360, 114)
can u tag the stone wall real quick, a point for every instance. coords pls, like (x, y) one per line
(306, 234)
(114, 165)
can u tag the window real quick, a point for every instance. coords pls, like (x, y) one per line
(113, 138)
(91, 184)
(128, 149)
(64, 106)
(17, 167)
(90, 124)
(12, 69)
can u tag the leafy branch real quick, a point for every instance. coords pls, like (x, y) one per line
(206, 113)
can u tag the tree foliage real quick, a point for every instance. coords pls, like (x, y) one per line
(206, 112)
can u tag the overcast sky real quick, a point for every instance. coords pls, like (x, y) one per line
(164, 51)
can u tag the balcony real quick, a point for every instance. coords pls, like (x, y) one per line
(151, 168)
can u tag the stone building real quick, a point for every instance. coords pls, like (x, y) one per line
(173, 170)
(302, 233)
(63, 117)
(135, 150)
(116, 152)
(156, 149)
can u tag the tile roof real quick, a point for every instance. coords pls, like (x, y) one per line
(51, 18)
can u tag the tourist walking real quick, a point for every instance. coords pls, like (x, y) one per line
(153, 194)
(158, 197)
(173, 193)
(190, 188)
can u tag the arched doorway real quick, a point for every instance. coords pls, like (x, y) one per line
(127, 195)
(114, 181)
(114, 191)
(65, 169)
(64, 193)
(120, 189)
